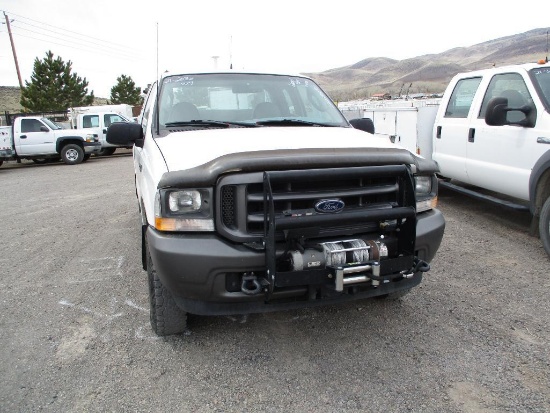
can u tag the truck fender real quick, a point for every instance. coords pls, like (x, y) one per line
(539, 183)
(67, 139)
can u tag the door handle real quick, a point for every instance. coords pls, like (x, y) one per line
(438, 132)
(140, 167)
(471, 134)
(23, 137)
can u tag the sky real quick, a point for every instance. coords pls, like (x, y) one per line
(105, 39)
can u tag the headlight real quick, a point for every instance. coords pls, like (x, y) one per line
(426, 192)
(184, 210)
(423, 185)
(184, 201)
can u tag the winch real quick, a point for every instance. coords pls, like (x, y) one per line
(338, 253)
(350, 260)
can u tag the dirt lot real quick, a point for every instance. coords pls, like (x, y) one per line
(474, 337)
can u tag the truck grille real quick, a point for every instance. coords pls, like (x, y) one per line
(295, 193)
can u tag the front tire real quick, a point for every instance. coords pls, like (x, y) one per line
(166, 317)
(106, 151)
(544, 225)
(72, 154)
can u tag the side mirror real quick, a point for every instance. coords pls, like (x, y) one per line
(125, 133)
(364, 124)
(497, 113)
(44, 129)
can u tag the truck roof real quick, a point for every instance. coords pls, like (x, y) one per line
(501, 69)
(249, 72)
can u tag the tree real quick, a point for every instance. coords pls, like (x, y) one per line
(125, 91)
(53, 87)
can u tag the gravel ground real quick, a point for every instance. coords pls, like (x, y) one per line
(473, 337)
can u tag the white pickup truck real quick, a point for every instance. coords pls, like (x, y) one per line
(97, 123)
(40, 140)
(490, 136)
(256, 195)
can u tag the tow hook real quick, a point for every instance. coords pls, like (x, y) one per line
(250, 284)
(421, 266)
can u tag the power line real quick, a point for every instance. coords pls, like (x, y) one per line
(124, 47)
(68, 38)
(80, 48)
(91, 48)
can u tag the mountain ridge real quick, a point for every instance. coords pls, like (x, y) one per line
(429, 73)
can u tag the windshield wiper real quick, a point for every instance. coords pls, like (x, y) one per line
(207, 123)
(290, 122)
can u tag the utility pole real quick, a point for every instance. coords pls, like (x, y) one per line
(13, 50)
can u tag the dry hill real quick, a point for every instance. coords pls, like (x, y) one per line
(429, 73)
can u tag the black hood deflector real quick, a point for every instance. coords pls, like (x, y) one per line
(291, 159)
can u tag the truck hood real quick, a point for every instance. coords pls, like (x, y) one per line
(271, 148)
(184, 150)
(61, 133)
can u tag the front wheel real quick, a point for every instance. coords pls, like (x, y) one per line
(544, 225)
(166, 317)
(72, 154)
(106, 151)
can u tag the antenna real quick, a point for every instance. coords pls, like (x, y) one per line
(230, 52)
(546, 46)
(158, 84)
(157, 50)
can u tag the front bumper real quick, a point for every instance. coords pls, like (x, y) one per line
(195, 268)
(6, 153)
(91, 147)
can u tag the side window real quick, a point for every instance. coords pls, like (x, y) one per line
(111, 118)
(30, 125)
(90, 121)
(512, 87)
(462, 97)
(148, 107)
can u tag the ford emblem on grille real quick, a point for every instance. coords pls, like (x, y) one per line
(329, 205)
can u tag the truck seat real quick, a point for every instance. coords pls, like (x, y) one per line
(184, 111)
(266, 110)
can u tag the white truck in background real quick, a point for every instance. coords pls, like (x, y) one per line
(98, 119)
(98, 123)
(42, 141)
(490, 136)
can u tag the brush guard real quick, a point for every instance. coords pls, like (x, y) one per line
(403, 265)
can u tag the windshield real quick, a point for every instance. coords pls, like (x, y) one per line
(52, 125)
(541, 79)
(244, 99)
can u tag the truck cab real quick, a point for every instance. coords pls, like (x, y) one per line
(492, 130)
(98, 123)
